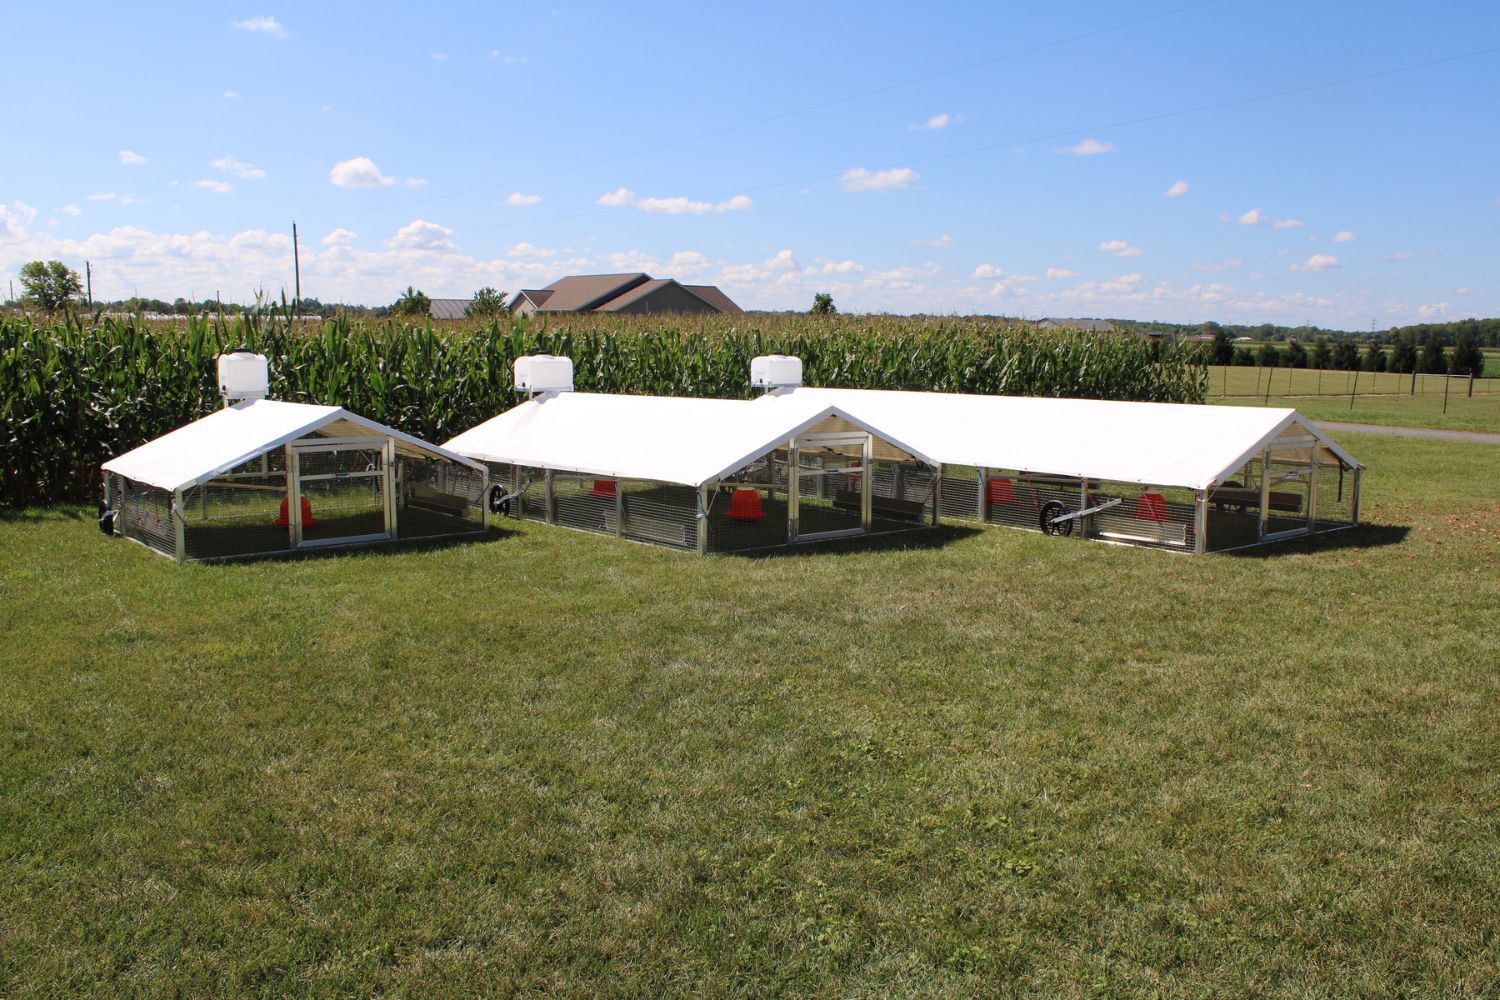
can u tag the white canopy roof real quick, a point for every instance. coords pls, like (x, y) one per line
(222, 440)
(662, 438)
(1163, 444)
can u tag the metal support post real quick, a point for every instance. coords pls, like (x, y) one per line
(1265, 493)
(1200, 523)
(179, 529)
(551, 507)
(1358, 473)
(619, 508)
(983, 506)
(867, 485)
(702, 518)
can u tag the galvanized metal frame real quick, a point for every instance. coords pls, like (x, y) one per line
(385, 445)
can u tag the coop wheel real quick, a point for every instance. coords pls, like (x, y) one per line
(499, 502)
(1050, 510)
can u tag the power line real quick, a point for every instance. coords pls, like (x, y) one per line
(792, 113)
(1044, 137)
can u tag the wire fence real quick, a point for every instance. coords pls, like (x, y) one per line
(1246, 382)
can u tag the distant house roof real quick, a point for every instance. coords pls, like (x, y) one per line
(449, 308)
(1087, 325)
(635, 292)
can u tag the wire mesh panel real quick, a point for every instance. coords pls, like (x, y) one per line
(437, 497)
(148, 516)
(748, 510)
(1234, 509)
(588, 503)
(829, 486)
(661, 513)
(1158, 516)
(343, 493)
(959, 497)
(1334, 497)
(903, 494)
(530, 485)
(239, 513)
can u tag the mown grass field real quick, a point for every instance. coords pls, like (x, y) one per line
(1381, 398)
(967, 763)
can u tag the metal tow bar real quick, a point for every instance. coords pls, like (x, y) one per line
(1060, 523)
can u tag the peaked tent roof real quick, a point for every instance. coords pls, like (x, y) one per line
(198, 451)
(1163, 444)
(667, 439)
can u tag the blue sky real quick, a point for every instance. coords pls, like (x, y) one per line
(1028, 160)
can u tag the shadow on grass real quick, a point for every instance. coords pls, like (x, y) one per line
(32, 515)
(1366, 536)
(916, 538)
(370, 550)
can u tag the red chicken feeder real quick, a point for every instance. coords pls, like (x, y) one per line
(744, 505)
(282, 520)
(1151, 507)
(999, 491)
(603, 488)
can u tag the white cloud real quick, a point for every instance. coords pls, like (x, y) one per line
(688, 262)
(941, 241)
(1177, 190)
(1461, 291)
(263, 25)
(101, 196)
(837, 267)
(1223, 265)
(862, 179)
(497, 56)
(524, 249)
(519, 200)
(1344, 236)
(1401, 255)
(14, 219)
(1054, 273)
(618, 197)
(72, 209)
(686, 206)
(231, 95)
(133, 199)
(357, 173)
(217, 187)
(415, 182)
(339, 237)
(988, 271)
(1433, 309)
(245, 171)
(939, 121)
(1119, 248)
(1288, 224)
(1255, 217)
(419, 234)
(1089, 147)
(1317, 262)
(1252, 218)
(132, 159)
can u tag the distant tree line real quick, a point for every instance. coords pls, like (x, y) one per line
(1401, 353)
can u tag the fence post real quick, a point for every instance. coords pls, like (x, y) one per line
(1413, 379)
(1471, 385)
(1446, 380)
(1354, 391)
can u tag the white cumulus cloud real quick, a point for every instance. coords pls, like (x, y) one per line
(1177, 190)
(1054, 273)
(1288, 224)
(72, 209)
(1344, 236)
(939, 121)
(687, 206)
(245, 171)
(863, 179)
(940, 241)
(14, 218)
(1317, 262)
(988, 271)
(518, 199)
(262, 25)
(130, 158)
(1089, 147)
(1251, 218)
(620, 196)
(529, 250)
(216, 186)
(1119, 248)
(357, 173)
(339, 237)
(419, 234)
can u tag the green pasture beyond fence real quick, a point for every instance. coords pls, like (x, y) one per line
(73, 394)
(1229, 382)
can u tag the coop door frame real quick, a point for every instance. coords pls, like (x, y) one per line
(1308, 484)
(387, 449)
(796, 474)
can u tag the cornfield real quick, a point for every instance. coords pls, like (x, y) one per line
(73, 394)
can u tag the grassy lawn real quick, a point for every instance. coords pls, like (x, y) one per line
(970, 762)
(1381, 398)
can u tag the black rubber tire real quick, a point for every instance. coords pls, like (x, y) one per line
(1051, 509)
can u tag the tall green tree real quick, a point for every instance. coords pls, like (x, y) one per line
(412, 303)
(1403, 356)
(1322, 357)
(1375, 360)
(49, 284)
(1296, 355)
(1243, 358)
(1468, 359)
(1346, 356)
(486, 302)
(823, 304)
(1433, 360)
(1268, 356)
(1223, 346)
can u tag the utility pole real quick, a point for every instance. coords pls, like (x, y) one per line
(88, 271)
(297, 271)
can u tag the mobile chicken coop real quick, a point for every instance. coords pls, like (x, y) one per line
(711, 475)
(264, 477)
(1165, 475)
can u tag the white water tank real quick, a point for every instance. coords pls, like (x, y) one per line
(544, 373)
(776, 371)
(243, 375)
